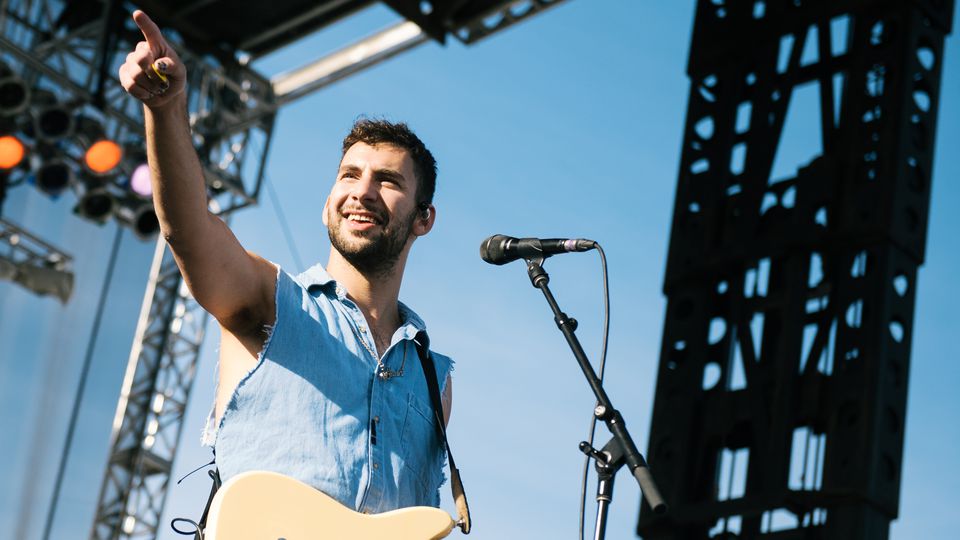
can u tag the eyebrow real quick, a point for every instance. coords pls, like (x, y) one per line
(347, 168)
(391, 174)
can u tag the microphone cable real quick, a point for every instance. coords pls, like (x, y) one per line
(603, 362)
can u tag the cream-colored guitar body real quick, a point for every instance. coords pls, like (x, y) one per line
(260, 505)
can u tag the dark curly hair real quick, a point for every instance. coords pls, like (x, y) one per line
(378, 131)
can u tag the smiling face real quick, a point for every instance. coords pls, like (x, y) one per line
(371, 213)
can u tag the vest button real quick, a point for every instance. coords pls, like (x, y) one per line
(376, 465)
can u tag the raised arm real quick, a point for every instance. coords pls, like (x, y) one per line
(234, 285)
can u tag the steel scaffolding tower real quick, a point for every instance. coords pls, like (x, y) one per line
(782, 387)
(155, 392)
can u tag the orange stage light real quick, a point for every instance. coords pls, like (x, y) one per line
(103, 156)
(11, 152)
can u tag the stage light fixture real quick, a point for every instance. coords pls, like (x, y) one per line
(103, 156)
(52, 120)
(14, 93)
(140, 181)
(96, 205)
(140, 217)
(145, 222)
(12, 151)
(135, 159)
(53, 176)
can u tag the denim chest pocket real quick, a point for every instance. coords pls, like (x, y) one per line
(421, 454)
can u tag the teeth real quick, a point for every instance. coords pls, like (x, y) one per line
(354, 217)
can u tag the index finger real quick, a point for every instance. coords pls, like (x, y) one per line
(151, 32)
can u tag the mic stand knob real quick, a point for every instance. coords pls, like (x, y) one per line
(607, 462)
(590, 451)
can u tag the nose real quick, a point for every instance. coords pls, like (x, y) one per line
(365, 187)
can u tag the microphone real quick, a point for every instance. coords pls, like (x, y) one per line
(501, 249)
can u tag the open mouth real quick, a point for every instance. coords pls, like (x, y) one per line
(362, 218)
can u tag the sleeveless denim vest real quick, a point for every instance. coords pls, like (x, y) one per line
(313, 407)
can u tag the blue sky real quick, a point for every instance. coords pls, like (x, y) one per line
(567, 125)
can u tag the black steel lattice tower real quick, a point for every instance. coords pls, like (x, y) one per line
(782, 387)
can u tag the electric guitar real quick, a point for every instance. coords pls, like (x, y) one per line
(260, 505)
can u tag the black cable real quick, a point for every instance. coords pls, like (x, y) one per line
(196, 533)
(84, 371)
(278, 210)
(603, 362)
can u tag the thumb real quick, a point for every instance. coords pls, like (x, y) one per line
(150, 30)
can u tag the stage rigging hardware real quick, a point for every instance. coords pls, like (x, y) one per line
(782, 387)
(67, 54)
(33, 263)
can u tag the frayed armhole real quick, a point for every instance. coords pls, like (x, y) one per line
(448, 377)
(448, 372)
(211, 427)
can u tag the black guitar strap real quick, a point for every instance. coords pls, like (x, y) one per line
(215, 485)
(426, 362)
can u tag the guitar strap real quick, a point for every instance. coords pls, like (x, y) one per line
(426, 362)
(215, 485)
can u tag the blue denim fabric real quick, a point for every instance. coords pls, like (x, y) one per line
(307, 407)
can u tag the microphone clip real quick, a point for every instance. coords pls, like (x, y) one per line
(538, 276)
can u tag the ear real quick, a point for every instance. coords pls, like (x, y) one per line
(424, 221)
(326, 206)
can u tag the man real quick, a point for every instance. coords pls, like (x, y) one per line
(319, 376)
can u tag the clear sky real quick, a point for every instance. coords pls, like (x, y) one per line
(568, 125)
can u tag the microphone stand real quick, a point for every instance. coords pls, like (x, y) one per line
(620, 450)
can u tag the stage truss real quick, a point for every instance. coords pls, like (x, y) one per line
(782, 387)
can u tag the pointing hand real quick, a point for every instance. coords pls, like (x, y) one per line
(152, 73)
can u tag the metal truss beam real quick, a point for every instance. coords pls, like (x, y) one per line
(34, 264)
(349, 60)
(468, 20)
(154, 395)
(781, 393)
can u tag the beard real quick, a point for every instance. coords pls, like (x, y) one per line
(372, 253)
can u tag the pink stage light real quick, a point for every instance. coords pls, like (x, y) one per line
(140, 181)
